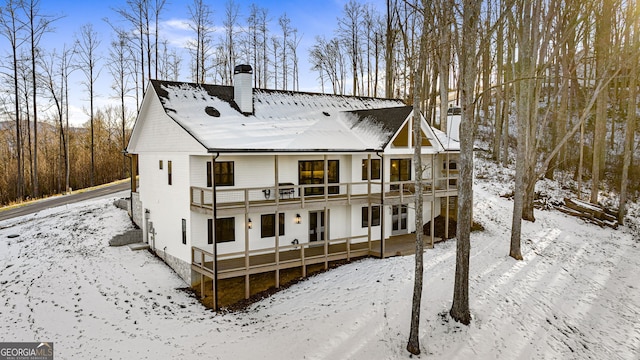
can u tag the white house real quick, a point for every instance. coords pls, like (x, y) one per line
(299, 178)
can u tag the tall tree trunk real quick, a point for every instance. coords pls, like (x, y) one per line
(390, 40)
(500, 99)
(603, 34)
(632, 110)
(523, 118)
(460, 307)
(413, 345)
(36, 188)
(444, 61)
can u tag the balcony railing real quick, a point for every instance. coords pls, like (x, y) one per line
(281, 257)
(288, 193)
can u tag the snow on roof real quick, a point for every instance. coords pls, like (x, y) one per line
(282, 120)
(448, 143)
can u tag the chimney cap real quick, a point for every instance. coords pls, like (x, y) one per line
(243, 69)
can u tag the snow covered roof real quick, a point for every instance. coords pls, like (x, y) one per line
(448, 144)
(281, 120)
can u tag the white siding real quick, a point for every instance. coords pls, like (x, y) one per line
(356, 224)
(155, 131)
(167, 204)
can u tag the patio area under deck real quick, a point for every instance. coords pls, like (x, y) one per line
(297, 256)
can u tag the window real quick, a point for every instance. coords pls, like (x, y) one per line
(160, 164)
(400, 170)
(312, 172)
(184, 231)
(374, 172)
(375, 216)
(209, 231)
(169, 172)
(224, 173)
(225, 230)
(268, 225)
(209, 174)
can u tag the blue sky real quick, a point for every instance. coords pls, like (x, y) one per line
(311, 18)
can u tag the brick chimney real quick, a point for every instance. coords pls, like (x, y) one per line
(242, 88)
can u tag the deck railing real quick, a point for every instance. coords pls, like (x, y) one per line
(277, 258)
(286, 193)
(202, 197)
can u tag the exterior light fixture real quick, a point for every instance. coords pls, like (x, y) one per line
(249, 223)
(298, 219)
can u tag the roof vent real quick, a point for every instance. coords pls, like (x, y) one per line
(326, 113)
(242, 89)
(211, 111)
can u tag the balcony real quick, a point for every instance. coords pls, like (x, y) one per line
(288, 196)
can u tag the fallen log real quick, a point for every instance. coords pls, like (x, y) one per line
(592, 213)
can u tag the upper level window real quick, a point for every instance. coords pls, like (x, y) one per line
(169, 179)
(312, 172)
(374, 173)
(160, 164)
(224, 173)
(400, 170)
(209, 179)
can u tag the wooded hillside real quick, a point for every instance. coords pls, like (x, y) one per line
(558, 77)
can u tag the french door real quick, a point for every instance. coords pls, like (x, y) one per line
(316, 226)
(398, 219)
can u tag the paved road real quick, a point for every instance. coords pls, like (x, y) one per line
(62, 200)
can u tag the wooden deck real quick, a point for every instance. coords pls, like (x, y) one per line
(296, 256)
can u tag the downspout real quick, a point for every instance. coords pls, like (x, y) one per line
(382, 205)
(131, 183)
(214, 211)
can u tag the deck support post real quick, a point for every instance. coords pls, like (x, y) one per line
(433, 200)
(369, 201)
(326, 238)
(277, 254)
(304, 266)
(383, 209)
(247, 286)
(214, 210)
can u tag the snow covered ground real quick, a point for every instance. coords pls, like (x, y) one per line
(576, 295)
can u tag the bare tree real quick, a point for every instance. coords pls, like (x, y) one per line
(157, 10)
(137, 13)
(390, 41)
(632, 45)
(285, 27)
(526, 69)
(117, 66)
(275, 48)
(37, 25)
(10, 29)
(52, 68)
(444, 15)
(350, 34)
(229, 23)
(468, 58)
(202, 24)
(87, 44)
(293, 44)
(169, 63)
(604, 18)
(327, 58)
(413, 345)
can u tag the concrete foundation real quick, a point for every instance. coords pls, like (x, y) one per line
(182, 268)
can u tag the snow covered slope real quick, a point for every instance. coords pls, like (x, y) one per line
(575, 296)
